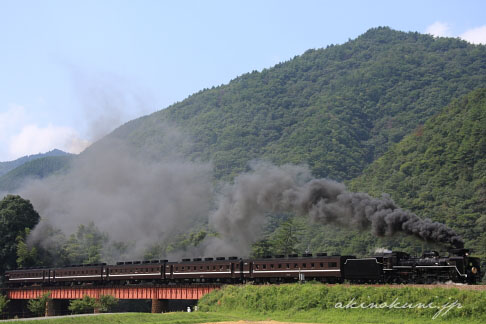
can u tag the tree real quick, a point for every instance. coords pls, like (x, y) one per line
(16, 214)
(38, 306)
(3, 303)
(82, 306)
(106, 303)
(26, 256)
(85, 246)
(286, 237)
(261, 248)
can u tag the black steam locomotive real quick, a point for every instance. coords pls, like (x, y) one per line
(400, 267)
(393, 267)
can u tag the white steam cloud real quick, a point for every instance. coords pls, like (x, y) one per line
(131, 198)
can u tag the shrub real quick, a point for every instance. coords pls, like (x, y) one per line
(38, 306)
(87, 305)
(81, 306)
(106, 302)
(3, 303)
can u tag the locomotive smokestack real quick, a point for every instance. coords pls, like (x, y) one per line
(269, 188)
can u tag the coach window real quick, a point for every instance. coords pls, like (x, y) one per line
(312, 265)
(264, 267)
(195, 268)
(271, 266)
(227, 267)
(321, 264)
(257, 266)
(280, 266)
(207, 267)
(296, 265)
(288, 265)
(200, 267)
(214, 267)
(177, 268)
(304, 265)
(220, 267)
(332, 264)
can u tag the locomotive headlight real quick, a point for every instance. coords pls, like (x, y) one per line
(474, 270)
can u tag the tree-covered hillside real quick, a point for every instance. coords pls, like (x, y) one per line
(34, 169)
(336, 109)
(439, 171)
(10, 165)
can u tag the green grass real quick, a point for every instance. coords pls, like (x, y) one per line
(328, 316)
(317, 303)
(138, 318)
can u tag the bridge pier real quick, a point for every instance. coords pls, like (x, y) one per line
(160, 305)
(53, 307)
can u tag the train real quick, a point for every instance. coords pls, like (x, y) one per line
(386, 267)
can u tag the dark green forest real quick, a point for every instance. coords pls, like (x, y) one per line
(388, 112)
(439, 171)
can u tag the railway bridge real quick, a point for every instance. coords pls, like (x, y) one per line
(160, 294)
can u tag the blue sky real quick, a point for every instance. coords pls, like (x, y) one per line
(71, 71)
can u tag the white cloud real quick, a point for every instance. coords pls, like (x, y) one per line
(475, 35)
(20, 136)
(439, 29)
(34, 139)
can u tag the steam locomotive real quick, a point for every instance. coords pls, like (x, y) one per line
(391, 267)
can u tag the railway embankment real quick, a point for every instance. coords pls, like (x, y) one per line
(321, 303)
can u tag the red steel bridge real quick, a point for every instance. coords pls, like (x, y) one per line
(160, 295)
(120, 292)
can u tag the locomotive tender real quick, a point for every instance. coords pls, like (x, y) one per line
(393, 267)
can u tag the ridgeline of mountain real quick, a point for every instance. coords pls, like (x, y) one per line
(5, 167)
(336, 109)
(38, 168)
(439, 171)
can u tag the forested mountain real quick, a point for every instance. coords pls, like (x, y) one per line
(375, 112)
(34, 169)
(336, 109)
(439, 171)
(10, 165)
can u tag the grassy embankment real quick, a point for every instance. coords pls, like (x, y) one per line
(316, 303)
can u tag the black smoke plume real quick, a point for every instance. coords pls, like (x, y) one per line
(289, 188)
